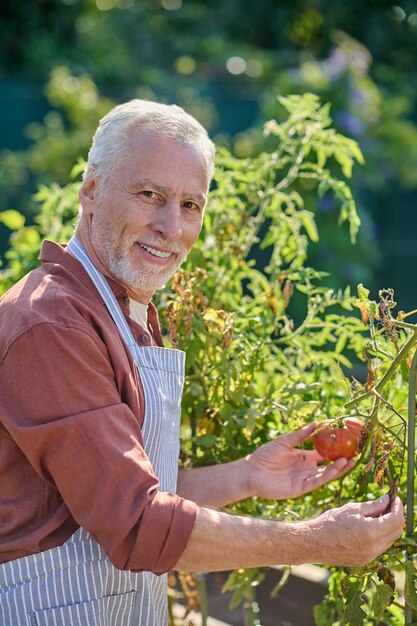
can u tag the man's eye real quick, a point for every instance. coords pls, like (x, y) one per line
(191, 205)
(148, 194)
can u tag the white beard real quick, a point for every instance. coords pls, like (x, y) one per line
(116, 256)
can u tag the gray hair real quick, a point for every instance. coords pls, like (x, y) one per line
(110, 142)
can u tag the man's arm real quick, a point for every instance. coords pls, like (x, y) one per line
(277, 470)
(352, 535)
(216, 485)
(63, 411)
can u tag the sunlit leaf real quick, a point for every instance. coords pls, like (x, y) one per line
(12, 219)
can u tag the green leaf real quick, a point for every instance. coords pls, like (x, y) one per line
(324, 613)
(406, 541)
(396, 615)
(12, 219)
(381, 600)
(356, 151)
(283, 581)
(206, 441)
(341, 342)
(237, 599)
(78, 169)
(363, 293)
(307, 219)
(353, 614)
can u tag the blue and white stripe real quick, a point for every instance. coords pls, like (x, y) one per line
(76, 584)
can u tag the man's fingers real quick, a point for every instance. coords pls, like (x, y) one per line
(396, 507)
(374, 508)
(392, 512)
(330, 472)
(327, 473)
(298, 436)
(338, 468)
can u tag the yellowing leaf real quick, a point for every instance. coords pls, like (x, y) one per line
(212, 316)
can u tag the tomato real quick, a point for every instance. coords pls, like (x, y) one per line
(333, 440)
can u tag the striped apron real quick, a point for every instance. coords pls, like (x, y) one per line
(75, 584)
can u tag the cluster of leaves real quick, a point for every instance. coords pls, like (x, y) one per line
(370, 595)
(252, 367)
(268, 347)
(55, 219)
(366, 107)
(268, 344)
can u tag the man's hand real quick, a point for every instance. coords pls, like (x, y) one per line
(356, 533)
(278, 470)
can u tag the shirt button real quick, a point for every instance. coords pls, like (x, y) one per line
(144, 338)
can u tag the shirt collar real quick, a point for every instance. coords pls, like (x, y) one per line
(52, 252)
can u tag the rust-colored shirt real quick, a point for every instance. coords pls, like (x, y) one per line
(71, 409)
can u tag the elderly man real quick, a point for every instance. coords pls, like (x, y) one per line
(92, 515)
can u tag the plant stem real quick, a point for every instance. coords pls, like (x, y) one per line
(311, 313)
(409, 313)
(410, 343)
(408, 611)
(251, 610)
(202, 589)
(411, 446)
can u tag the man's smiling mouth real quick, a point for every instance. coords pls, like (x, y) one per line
(158, 253)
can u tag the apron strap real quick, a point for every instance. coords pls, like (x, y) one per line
(77, 249)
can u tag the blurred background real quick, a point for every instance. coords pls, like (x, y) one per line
(64, 63)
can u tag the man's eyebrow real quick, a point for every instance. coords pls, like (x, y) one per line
(147, 182)
(198, 197)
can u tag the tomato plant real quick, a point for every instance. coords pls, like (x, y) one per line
(333, 440)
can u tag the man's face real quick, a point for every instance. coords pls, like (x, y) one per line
(151, 212)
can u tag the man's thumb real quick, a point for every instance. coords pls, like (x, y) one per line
(375, 508)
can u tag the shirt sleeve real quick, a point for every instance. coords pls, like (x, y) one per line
(62, 407)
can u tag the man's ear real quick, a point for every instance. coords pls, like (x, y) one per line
(88, 195)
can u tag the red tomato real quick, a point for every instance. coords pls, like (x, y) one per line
(332, 441)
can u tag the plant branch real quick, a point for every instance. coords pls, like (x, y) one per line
(411, 342)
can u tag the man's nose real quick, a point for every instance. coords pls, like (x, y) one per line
(168, 222)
